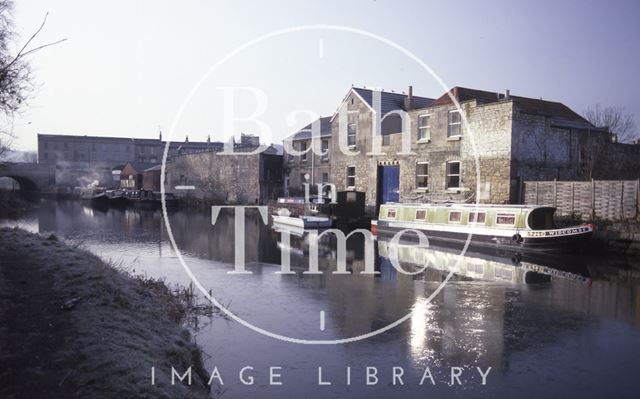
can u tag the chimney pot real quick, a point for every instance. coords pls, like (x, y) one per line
(507, 95)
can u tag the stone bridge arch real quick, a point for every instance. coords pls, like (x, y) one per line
(31, 177)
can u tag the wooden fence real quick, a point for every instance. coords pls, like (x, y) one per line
(601, 199)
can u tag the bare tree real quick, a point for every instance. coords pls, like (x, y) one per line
(618, 121)
(16, 84)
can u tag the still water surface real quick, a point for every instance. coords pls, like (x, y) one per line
(575, 332)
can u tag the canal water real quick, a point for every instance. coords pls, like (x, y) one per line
(565, 327)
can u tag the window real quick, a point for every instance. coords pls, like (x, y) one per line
(391, 213)
(303, 147)
(386, 139)
(453, 175)
(352, 128)
(46, 156)
(325, 150)
(455, 124)
(506, 219)
(46, 145)
(351, 176)
(477, 217)
(422, 175)
(325, 177)
(66, 145)
(421, 214)
(423, 128)
(455, 216)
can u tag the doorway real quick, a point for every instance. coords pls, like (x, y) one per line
(388, 184)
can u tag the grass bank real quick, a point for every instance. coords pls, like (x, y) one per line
(73, 326)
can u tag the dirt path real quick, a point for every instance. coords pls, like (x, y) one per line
(72, 326)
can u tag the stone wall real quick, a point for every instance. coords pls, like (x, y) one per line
(228, 179)
(314, 165)
(491, 125)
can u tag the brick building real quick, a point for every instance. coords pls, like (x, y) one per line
(501, 138)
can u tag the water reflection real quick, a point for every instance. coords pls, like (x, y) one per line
(518, 315)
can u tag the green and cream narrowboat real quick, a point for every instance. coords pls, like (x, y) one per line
(521, 227)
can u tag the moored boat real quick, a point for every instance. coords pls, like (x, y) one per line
(97, 196)
(521, 227)
(116, 198)
(304, 222)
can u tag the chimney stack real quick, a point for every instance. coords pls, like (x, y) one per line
(507, 96)
(408, 102)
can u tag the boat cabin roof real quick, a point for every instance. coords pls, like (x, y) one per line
(466, 206)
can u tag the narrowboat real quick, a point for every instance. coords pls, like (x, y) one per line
(116, 198)
(97, 196)
(520, 227)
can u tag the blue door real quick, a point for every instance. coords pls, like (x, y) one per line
(389, 184)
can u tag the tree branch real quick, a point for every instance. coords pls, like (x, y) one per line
(22, 52)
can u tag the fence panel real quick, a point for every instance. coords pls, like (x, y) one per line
(603, 199)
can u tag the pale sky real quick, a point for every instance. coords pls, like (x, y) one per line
(127, 66)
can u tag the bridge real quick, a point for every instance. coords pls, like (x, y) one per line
(32, 177)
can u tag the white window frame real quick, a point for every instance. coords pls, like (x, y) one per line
(499, 214)
(351, 176)
(455, 221)
(355, 129)
(477, 214)
(426, 128)
(447, 174)
(422, 175)
(449, 124)
(303, 149)
(325, 157)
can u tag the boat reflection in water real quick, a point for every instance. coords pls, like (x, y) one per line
(510, 267)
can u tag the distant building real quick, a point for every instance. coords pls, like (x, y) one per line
(151, 178)
(131, 176)
(80, 160)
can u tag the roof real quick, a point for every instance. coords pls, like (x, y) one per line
(153, 168)
(134, 140)
(138, 167)
(275, 149)
(561, 114)
(305, 132)
(390, 101)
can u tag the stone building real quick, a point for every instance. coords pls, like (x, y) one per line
(80, 160)
(251, 178)
(315, 166)
(400, 147)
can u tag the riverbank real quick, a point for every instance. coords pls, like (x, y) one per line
(74, 326)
